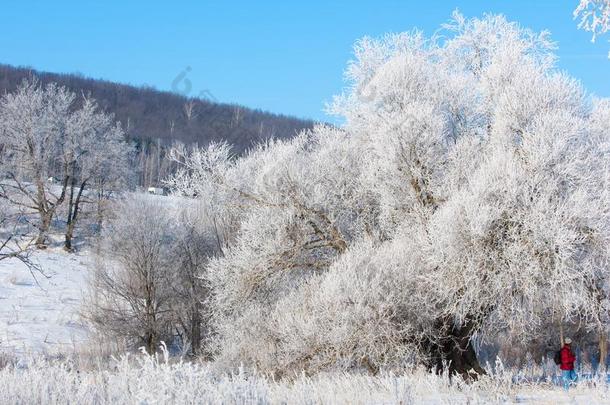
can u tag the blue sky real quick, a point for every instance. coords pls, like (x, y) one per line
(282, 56)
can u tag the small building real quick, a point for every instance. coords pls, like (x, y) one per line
(157, 191)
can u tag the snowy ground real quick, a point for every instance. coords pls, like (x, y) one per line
(152, 382)
(41, 314)
(42, 317)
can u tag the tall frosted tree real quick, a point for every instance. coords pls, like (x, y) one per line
(153, 288)
(33, 125)
(465, 195)
(53, 146)
(131, 295)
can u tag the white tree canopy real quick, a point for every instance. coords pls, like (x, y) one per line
(52, 146)
(465, 194)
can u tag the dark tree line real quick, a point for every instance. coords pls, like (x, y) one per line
(150, 116)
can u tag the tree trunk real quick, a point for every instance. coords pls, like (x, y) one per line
(45, 224)
(454, 351)
(73, 210)
(68, 237)
(150, 340)
(69, 222)
(603, 350)
(196, 330)
(99, 214)
(151, 316)
(47, 209)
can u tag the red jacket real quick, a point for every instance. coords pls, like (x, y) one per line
(567, 358)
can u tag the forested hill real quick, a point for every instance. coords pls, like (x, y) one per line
(150, 114)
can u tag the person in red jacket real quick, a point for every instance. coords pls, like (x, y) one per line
(567, 364)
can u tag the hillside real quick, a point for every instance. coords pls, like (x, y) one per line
(148, 114)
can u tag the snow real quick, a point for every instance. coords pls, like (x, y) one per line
(148, 380)
(41, 316)
(40, 313)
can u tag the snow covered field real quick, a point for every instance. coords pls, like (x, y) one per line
(41, 317)
(41, 314)
(44, 319)
(155, 382)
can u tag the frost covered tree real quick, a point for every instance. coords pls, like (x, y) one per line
(33, 124)
(194, 243)
(149, 283)
(97, 158)
(594, 16)
(466, 195)
(487, 158)
(130, 291)
(277, 229)
(53, 147)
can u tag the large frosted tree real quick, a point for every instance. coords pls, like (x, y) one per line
(465, 195)
(131, 297)
(152, 289)
(53, 146)
(33, 124)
